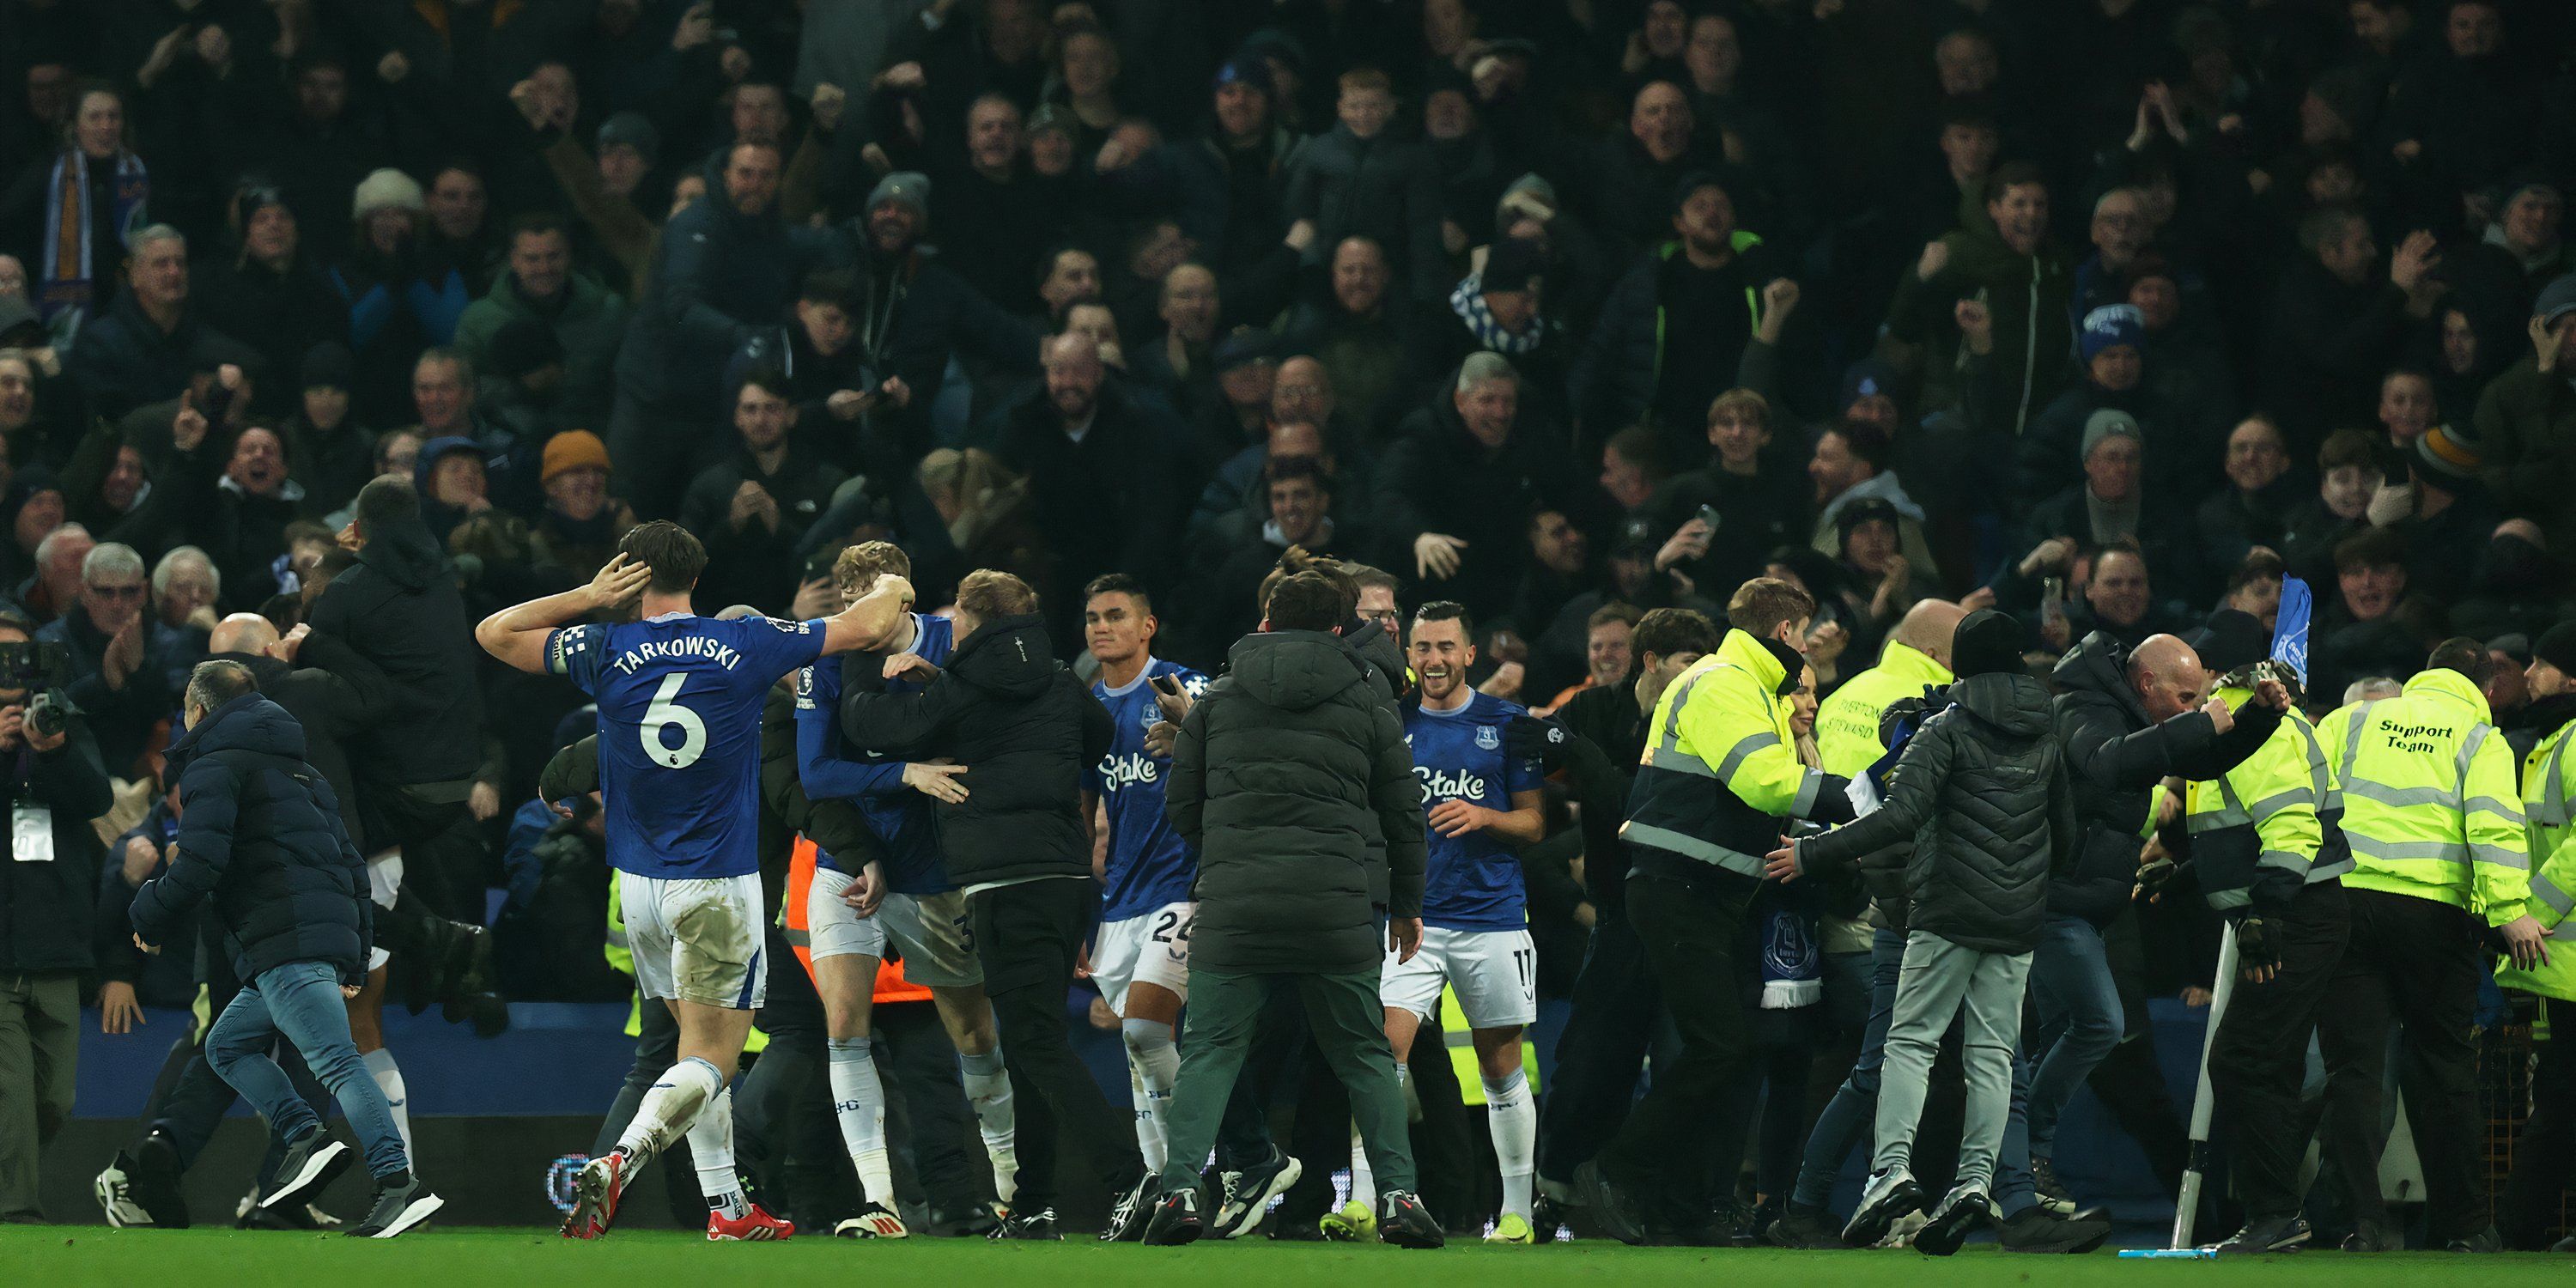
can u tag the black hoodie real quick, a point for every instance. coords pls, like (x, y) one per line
(400, 609)
(1982, 791)
(1022, 725)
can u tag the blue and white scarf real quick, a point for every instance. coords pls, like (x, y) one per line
(1468, 302)
(70, 276)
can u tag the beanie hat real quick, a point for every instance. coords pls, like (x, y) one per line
(1866, 378)
(523, 345)
(573, 449)
(1241, 348)
(2109, 325)
(2557, 300)
(1693, 182)
(2557, 647)
(16, 314)
(1528, 193)
(631, 130)
(385, 189)
(2104, 424)
(2232, 639)
(1869, 510)
(2447, 456)
(1248, 71)
(904, 187)
(329, 365)
(1512, 264)
(1986, 643)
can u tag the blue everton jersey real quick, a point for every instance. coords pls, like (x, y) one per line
(679, 733)
(1149, 865)
(831, 769)
(1472, 882)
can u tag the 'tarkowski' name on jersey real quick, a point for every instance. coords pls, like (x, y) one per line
(1149, 865)
(1471, 882)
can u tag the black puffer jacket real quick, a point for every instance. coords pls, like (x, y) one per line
(399, 608)
(1285, 772)
(260, 834)
(1984, 794)
(1022, 725)
(2115, 755)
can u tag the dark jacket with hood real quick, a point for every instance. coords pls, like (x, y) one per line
(335, 696)
(1285, 771)
(260, 834)
(2114, 755)
(46, 908)
(1983, 793)
(400, 609)
(1023, 726)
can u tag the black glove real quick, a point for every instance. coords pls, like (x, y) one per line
(1538, 737)
(2154, 875)
(2255, 946)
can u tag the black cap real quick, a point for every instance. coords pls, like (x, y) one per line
(1243, 347)
(1513, 264)
(1986, 643)
(329, 365)
(2557, 647)
(2232, 639)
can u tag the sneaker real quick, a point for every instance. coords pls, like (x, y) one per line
(1513, 1228)
(308, 1217)
(312, 1161)
(1547, 1216)
(1249, 1193)
(1038, 1225)
(1175, 1220)
(2486, 1240)
(1128, 1211)
(1348, 1223)
(116, 1195)
(2374, 1237)
(1404, 1222)
(873, 1220)
(596, 1189)
(2038, 1230)
(402, 1203)
(1963, 1211)
(1806, 1227)
(152, 1182)
(2567, 1244)
(755, 1225)
(973, 1223)
(2265, 1234)
(1612, 1209)
(2051, 1191)
(1889, 1195)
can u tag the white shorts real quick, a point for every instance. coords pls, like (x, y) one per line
(697, 939)
(1151, 949)
(1494, 971)
(384, 885)
(834, 928)
(937, 941)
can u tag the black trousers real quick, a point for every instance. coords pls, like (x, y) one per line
(927, 1118)
(2128, 1081)
(2545, 1156)
(1027, 936)
(1695, 942)
(2259, 1060)
(1602, 1052)
(2412, 962)
(189, 1100)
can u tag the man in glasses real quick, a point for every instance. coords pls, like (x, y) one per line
(121, 688)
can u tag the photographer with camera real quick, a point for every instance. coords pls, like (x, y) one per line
(48, 902)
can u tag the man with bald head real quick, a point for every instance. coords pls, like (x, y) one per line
(1916, 657)
(2128, 719)
(1100, 472)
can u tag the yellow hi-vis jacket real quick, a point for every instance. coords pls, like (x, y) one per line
(1847, 723)
(1721, 767)
(2429, 806)
(2548, 788)
(2270, 825)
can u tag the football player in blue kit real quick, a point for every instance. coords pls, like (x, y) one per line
(1482, 803)
(908, 899)
(1140, 954)
(679, 760)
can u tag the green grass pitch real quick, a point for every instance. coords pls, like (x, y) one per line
(61, 1256)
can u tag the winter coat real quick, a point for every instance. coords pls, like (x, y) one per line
(2115, 756)
(335, 695)
(1284, 771)
(1439, 478)
(1983, 792)
(260, 835)
(399, 608)
(2526, 434)
(46, 908)
(122, 360)
(589, 323)
(2034, 338)
(718, 276)
(1023, 726)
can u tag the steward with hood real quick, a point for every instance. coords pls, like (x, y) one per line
(1285, 774)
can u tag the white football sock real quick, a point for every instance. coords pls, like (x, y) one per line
(988, 1089)
(1153, 1065)
(711, 1148)
(858, 1102)
(1363, 1181)
(389, 1081)
(1513, 1119)
(669, 1108)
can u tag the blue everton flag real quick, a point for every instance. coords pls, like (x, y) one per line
(2290, 636)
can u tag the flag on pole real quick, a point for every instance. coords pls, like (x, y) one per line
(2290, 636)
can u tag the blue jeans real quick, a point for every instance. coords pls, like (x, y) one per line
(301, 1000)
(2079, 1021)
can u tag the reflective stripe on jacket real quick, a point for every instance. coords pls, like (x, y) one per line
(2270, 825)
(2429, 803)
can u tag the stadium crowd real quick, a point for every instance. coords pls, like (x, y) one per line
(1887, 426)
